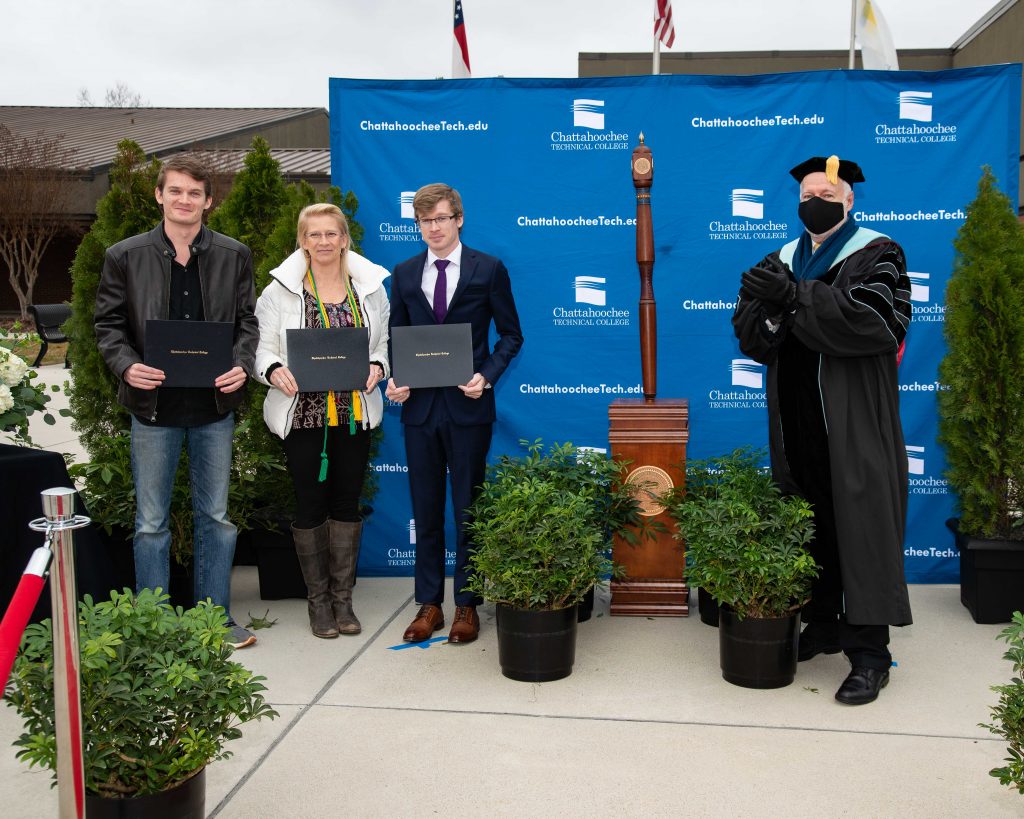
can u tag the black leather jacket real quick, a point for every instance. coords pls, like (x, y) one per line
(135, 285)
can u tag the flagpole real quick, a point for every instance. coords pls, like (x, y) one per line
(853, 30)
(656, 54)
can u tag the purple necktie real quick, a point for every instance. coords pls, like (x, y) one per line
(441, 291)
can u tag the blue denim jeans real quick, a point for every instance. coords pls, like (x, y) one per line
(155, 455)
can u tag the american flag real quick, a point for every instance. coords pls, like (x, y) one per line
(460, 47)
(664, 30)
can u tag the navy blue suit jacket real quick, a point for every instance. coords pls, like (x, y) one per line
(484, 294)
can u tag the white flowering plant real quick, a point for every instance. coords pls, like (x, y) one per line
(19, 396)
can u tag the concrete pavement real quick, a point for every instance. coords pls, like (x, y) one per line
(644, 726)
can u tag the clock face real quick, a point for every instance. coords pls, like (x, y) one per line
(642, 166)
(649, 481)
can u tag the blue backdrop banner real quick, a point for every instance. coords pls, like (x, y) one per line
(543, 166)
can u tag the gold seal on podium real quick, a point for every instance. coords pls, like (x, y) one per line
(651, 481)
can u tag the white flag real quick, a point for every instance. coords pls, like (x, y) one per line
(877, 51)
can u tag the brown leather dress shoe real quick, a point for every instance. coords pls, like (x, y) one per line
(465, 626)
(429, 619)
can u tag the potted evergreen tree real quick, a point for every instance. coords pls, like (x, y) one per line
(542, 529)
(746, 547)
(981, 413)
(160, 696)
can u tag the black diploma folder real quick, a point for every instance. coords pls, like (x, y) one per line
(329, 359)
(432, 355)
(191, 353)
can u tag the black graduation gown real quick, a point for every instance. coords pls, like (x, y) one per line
(833, 396)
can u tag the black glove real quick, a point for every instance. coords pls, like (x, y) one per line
(771, 286)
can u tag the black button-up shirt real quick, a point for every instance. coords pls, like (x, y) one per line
(185, 406)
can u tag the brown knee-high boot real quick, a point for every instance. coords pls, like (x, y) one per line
(313, 548)
(345, 537)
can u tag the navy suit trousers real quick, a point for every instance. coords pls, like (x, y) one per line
(431, 448)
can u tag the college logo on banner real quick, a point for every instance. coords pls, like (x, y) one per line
(747, 373)
(746, 204)
(403, 557)
(915, 460)
(405, 199)
(406, 231)
(924, 309)
(589, 115)
(926, 484)
(915, 106)
(589, 291)
(746, 390)
(918, 286)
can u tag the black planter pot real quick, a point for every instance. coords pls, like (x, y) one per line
(536, 646)
(585, 608)
(182, 584)
(991, 576)
(276, 562)
(707, 607)
(185, 801)
(758, 653)
(245, 552)
(119, 545)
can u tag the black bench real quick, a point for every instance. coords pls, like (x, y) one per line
(48, 319)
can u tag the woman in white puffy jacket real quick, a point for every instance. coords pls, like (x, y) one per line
(326, 436)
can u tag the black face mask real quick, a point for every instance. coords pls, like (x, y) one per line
(820, 216)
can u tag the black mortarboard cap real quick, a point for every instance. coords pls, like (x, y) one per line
(832, 166)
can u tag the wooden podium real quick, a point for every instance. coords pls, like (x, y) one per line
(652, 435)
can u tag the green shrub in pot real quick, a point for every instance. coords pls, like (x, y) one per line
(160, 693)
(745, 541)
(1008, 713)
(543, 524)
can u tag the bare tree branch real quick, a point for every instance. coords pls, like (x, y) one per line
(36, 184)
(121, 96)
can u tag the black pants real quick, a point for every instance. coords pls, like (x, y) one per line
(337, 497)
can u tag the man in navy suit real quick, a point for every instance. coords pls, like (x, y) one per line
(450, 427)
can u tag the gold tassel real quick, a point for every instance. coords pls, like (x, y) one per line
(832, 169)
(332, 410)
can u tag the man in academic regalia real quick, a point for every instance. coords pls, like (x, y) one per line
(828, 314)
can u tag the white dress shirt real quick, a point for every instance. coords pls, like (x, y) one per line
(451, 274)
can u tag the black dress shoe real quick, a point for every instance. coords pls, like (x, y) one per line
(815, 641)
(862, 685)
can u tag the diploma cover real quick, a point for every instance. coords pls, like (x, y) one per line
(432, 355)
(329, 359)
(191, 353)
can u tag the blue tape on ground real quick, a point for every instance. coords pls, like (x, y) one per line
(424, 644)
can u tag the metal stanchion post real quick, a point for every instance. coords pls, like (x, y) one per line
(59, 524)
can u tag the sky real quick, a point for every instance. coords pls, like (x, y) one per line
(271, 53)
